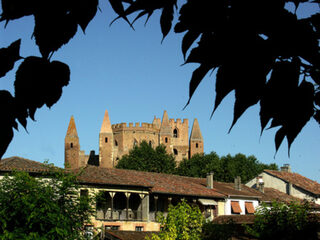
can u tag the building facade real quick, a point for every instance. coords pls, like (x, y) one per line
(116, 140)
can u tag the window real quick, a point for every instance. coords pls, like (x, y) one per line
(115, 143)
(150, 143)
(175, 151)
(235, 207)
(112, 227)
(249, 208)
(166, 140)
(71, 145)
(175, 133)
(139, 229)
(106, 140)
(197, 145)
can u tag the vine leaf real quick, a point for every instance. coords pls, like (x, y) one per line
(187, 41)
(117, 6)
(8, 56)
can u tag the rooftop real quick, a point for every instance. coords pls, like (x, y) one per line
(297, 180)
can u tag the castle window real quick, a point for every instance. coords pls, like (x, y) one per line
(166, 140)
(106, 140)
(115, 142)
(71, 145)
(150, 143)
(175, 133)
(175, 151)
(197, 145)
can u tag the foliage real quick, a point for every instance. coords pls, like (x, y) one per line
(213, 231)
(45, 208)
(183, 222)
(144, 158)
(225, 168)
(285, 221)
(261, 50)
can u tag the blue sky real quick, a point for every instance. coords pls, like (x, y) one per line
(135, 77)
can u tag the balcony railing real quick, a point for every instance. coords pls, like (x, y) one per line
(119, 215)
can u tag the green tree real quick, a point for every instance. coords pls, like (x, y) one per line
(144, 158)
(42, 208)
(285, 221)
(183, 222)
(199, 165)
(225, 168)
(261, 50)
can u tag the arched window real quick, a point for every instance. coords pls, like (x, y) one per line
(166, 140)
(175, 133)
(115, 142)
(71, 145)
(175, 151)
(197, 145)
(106, 140)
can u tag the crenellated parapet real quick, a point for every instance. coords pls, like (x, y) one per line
(134, 127)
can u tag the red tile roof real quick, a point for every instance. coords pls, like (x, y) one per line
(297, 180)
(22, 164)
(157, 182)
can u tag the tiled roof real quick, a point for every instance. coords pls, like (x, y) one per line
(271, 194)
(229, 189)
(22, 164)
(297, 180)
(158, 182)
(238, 219)
(129, 235)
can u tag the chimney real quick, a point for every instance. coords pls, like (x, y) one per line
(289, 188)
(210, 180)
(237, 183)
(260, 184)
(286, 168)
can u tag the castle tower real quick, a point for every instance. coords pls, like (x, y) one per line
(106, 143)
(165, 132)
(71, 146)
(196, 139)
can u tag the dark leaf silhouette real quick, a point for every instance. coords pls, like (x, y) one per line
(84, 11)
(166, 18)
(187, 41)
(14, 9)
(53, 29)
(117, 6)
(8, 56)
(33, 88)
(197, 76)
(7, 120)
(280, 134)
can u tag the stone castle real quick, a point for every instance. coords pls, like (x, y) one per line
(116, 140)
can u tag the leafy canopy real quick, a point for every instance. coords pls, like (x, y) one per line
(183, 222)
(261, 50)
(225, 168)
(291, 221)
(42, 208)
(144, 157)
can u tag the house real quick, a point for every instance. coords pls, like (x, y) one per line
(288, 182)
(130, 200)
